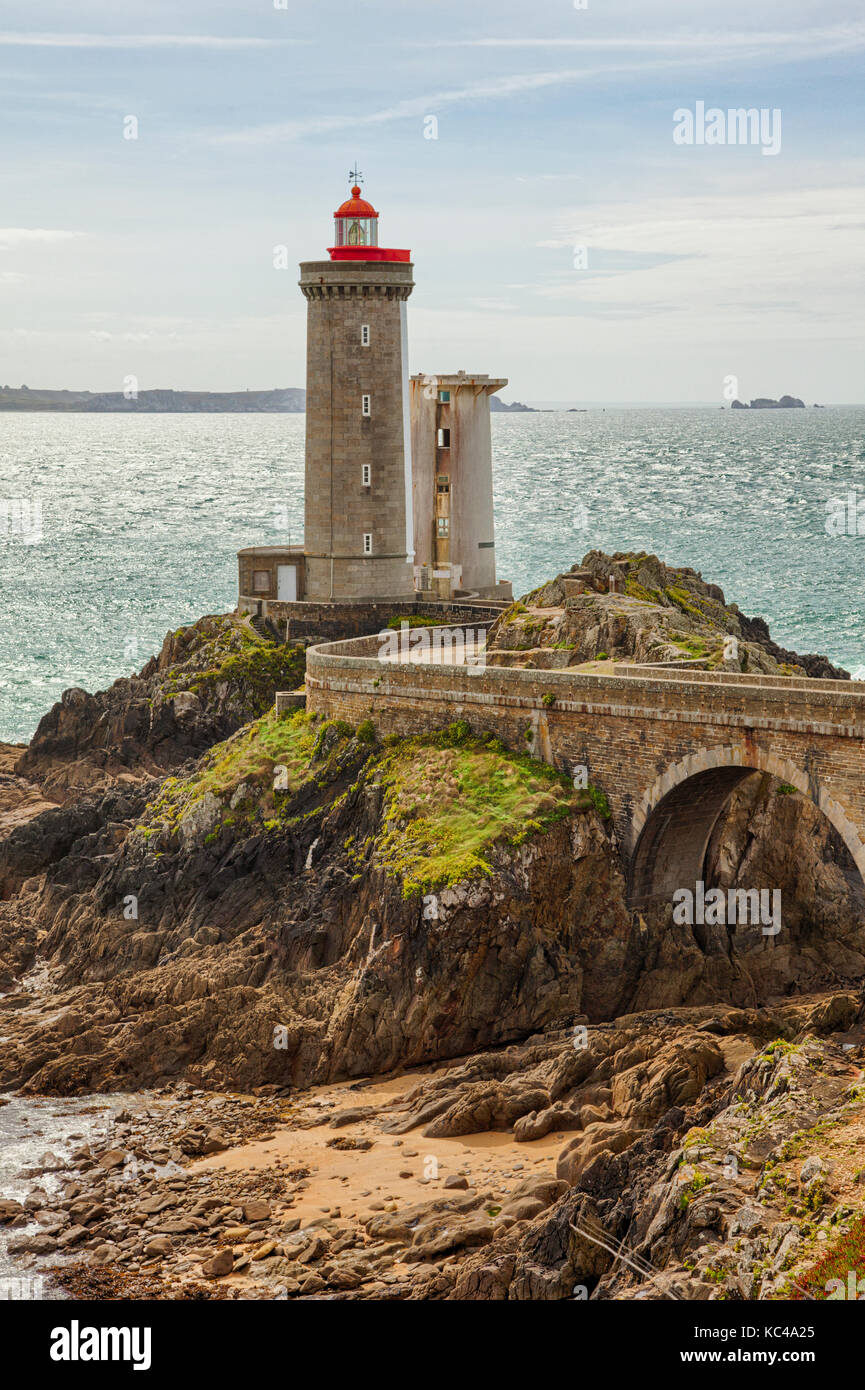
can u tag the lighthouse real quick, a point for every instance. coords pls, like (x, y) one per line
(358, 527)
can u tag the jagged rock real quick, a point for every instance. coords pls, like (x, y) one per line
(813, 1167)
(665, 614)
(208, 680)
(256, 1211)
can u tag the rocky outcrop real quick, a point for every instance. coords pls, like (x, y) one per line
(214, 935)
(515, 406)
(767, 403)
(208, 680)
(633, 607)
(297, 903)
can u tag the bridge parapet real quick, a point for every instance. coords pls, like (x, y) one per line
(715, 677)
(639, 737)
(741, 699)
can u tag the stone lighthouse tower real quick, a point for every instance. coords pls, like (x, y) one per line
(358, 530)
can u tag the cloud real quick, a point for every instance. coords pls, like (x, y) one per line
(22, 40)
(716, 49)
(754, 261)
(25, 236)
(103, 336)
(493, 305)
(811, 41)
(433, 102)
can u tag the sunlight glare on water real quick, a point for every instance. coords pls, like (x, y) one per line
(142, 516)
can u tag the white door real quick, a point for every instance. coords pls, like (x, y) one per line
(286, 583)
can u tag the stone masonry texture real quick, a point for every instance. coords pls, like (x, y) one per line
(641, 738)
(341, 297)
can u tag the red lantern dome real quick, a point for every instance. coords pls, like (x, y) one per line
(356, 233)
(356, 206)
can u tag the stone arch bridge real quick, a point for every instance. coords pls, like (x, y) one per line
(666, 746)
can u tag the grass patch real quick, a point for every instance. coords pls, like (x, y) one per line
(451, 797)
(697, 1184)
(634, 589)
(415, 620)
(250, 756)
(448, 798)
(598, 800)
(260, 667)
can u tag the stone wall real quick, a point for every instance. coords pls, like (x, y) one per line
(324, 622)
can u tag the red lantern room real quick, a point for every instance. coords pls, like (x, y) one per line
(356, 233)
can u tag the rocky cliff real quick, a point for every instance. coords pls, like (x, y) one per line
(209, 679)
(229, 900)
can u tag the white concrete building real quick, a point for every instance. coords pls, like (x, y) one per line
(452, 484)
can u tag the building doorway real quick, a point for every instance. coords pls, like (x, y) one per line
(286, 583)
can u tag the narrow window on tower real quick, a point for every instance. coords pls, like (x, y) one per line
(444, 439)
(365, 474)
(367, 542)
(366, 405)
(364, 335)
(444, 397)
(444, 527)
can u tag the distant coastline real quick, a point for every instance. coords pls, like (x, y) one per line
(285, 400)
(291, 400)
(517, 407)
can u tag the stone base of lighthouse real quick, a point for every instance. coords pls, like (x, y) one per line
(349, 579)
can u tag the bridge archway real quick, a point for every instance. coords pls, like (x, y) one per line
(673, 823)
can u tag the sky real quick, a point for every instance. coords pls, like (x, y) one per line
(561, 235)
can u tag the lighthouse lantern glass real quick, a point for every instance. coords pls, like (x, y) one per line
(356, 231)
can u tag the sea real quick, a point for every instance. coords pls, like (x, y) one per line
(115, 529)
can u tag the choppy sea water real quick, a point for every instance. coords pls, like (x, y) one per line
(37, 1137)
(115, 529)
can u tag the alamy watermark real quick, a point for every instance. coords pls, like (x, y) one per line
(845, 516)
(21, 517)
(21, 1290)
(436, 646)
(77, 1343)
(736, 126)
(716, 907)
(853, 1291)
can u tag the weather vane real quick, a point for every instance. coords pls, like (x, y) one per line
(355, 175)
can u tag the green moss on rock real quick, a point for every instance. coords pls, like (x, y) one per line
(450, 798)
